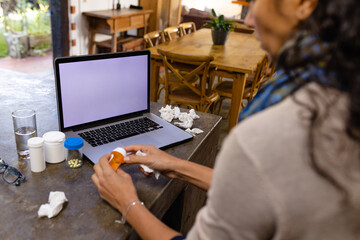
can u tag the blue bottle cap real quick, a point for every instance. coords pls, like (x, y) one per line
(74, 143)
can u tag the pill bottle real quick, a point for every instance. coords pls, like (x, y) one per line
(117, 157)
(74, 156)
(37, 155)
(54, 146)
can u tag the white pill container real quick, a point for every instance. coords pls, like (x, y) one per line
(37, 157)
(54, 146)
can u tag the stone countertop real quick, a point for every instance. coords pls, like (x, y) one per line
(86, 215)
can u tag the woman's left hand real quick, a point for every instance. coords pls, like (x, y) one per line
(115, 187)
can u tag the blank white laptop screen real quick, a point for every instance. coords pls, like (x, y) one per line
(84, 89)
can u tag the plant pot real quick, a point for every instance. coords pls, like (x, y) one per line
(17, 44)
(219, 36)
(39, 40)
(38, 44)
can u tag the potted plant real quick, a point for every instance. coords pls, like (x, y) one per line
(39, 29)
(220, 28)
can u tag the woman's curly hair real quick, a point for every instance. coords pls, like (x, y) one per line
(336, 22)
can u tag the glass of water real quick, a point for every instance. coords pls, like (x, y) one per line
(24, 121)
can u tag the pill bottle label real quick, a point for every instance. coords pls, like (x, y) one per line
(117, 158)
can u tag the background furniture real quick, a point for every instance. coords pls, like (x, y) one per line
(200, 17)
(154, 38)
(187, 27)
(113, 22)
(185, 67)
(254, 81)
(245, 7)
(236, 59)
(166, 13)
(172, 33)
(243, 3)
(123, 44)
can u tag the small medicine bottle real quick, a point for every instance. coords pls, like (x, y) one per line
(74, 158)
(117, 157)
(37, 156)
(54, 146)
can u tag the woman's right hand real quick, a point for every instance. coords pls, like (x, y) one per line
(155, 159)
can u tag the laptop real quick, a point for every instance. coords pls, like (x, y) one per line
(105, 99)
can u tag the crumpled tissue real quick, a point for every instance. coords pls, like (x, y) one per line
(52, 209)
(146, 168)
(194, 131)
(186, 119)
(193, 115)
(167, 113)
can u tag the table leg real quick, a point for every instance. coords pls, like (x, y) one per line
(154, 80)
(114, 43)
(237, 95)
(92, 42)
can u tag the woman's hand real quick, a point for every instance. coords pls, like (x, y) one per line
(155, 159)
(117, 187)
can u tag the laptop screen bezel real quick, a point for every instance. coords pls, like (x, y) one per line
(71, 59)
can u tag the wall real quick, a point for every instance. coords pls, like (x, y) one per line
(221, 6)
(79, 37)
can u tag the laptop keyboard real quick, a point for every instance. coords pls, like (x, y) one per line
(119, 131)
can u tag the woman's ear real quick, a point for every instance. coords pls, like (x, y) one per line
(305, 9)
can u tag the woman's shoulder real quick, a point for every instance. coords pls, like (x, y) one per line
(292, 111)
(284, 127)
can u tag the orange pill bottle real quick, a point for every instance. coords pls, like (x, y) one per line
(117, 157)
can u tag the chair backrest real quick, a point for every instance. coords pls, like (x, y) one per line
(154, 38)
(260, 76)
(189, 66)
(187, 27)
(172, 33)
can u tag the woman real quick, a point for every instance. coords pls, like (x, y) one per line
(291, 169)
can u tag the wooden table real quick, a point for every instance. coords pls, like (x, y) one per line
(236, 59)
(86, 216)
(112, 22)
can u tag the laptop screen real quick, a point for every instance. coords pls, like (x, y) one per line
(96, 89)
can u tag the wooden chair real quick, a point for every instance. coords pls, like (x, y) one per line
(187, 27)
(154, 38)
(172, 33)
(253, 83)
(195, 96)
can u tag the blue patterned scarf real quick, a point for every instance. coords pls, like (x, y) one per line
(306, 53)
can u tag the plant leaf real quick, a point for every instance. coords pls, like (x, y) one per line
(213, 12)
(221, 18)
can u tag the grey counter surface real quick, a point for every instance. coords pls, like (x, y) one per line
(86, 215)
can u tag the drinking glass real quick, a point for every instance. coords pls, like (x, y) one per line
(24, 121)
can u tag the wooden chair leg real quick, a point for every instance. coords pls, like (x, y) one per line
(220, 105)
(158, 92)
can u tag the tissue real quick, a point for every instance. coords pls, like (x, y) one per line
(52, 209)
(176, 112)
(186, 121)
(167, 113)
(146, 168)
(194, 131)
(193, 115)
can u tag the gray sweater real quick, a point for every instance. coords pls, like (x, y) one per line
(264, 186)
